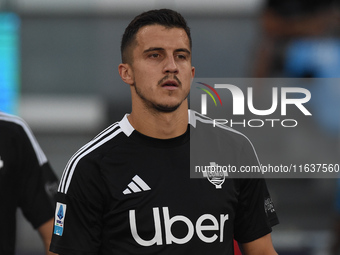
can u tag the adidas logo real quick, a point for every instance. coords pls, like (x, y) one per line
(136, 185)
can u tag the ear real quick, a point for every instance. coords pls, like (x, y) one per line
(192, 72)
(126, 73)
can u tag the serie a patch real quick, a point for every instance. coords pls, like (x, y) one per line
(59, 219)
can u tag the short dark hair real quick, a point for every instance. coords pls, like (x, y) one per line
(165, 17)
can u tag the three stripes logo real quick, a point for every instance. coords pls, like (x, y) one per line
(204, 97)
(136, 185)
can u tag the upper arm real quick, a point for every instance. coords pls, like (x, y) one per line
(260, 246)
(79, 210)
(37, 183)
(253, 218)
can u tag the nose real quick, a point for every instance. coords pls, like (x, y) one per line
(170, 65)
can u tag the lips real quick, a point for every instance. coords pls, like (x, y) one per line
(170, 83)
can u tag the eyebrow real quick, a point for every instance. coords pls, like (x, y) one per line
(162, 49)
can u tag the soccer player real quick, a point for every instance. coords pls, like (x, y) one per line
(129, 191)
(26, 182)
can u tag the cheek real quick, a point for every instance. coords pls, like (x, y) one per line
(138, 77)
(144, 82)
(146, 75)
(187, 79)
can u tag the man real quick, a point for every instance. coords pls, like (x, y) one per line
(26, 182)
(129, 190)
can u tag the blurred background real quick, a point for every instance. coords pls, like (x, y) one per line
(59, 71)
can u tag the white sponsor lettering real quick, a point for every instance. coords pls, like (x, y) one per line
(204, 224)
(157, 239)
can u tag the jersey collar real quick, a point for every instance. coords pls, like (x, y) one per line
(126, 126)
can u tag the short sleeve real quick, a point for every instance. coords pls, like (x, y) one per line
(79, 212)
(38, 182)
(255, 213)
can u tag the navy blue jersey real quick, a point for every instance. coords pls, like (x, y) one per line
(126, 193)
(26, 180)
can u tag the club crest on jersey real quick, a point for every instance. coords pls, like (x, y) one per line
(59, 219)
(215, 174)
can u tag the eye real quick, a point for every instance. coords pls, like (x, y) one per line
(154, 55)
(181, 56)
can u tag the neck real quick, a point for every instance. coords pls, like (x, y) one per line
(161, 125)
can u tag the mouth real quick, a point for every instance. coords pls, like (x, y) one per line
(170, 84)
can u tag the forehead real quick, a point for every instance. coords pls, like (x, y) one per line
(160, 36)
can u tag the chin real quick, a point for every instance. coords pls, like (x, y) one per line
(166, 107)
(163, 108)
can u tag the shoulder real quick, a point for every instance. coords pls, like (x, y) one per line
(13, 124)
(218, 139)
(16, 129)
(83, 165)
(111, 137)
(209, 127)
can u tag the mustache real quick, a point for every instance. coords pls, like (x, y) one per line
(168, 77)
